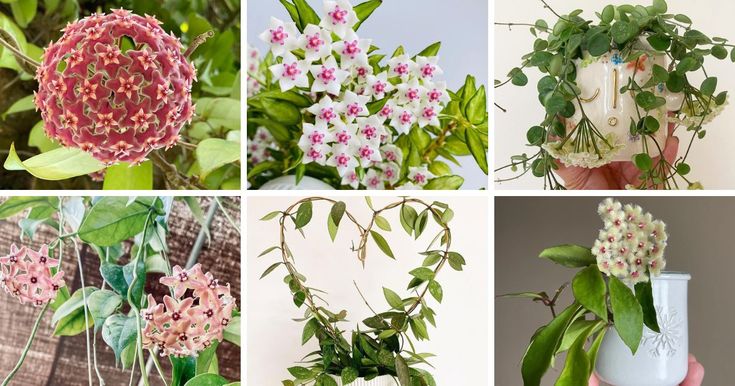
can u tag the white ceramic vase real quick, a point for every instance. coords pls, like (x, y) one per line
(383, 380)
(662, 358)
(600, 79)
(289, 183)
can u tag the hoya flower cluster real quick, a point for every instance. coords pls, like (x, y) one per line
(116, 86)
(185, 325)
(631, 244)
(253, 84)
(599, 154)
(329, 63)
(26, 275)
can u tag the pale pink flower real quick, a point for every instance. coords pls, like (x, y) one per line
(291, 73)
(342, 159)
(351, 179)
(401, 66)
(325, 111)
(280, 36)
(328, 76)
(419, 175)
(27, 275)
(339, 17)
(373, 180)
(378, 85)
(316, 43)
(352, 49)
(353, 106)
(427, 68)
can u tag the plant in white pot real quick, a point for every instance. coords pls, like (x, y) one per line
(615, 86)
(381, 350)
(628, 320)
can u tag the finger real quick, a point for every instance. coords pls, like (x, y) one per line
(671, 149)
(695, 375)
(594, 381)
(692, 358)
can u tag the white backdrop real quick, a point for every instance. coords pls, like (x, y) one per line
(461, 26)
(460, 340)
(711, 159)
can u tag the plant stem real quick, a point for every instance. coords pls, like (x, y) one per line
(19, 54)
(27, 347)
(199, 40)
(84, 308)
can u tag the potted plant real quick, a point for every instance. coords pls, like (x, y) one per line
(628, 320)
(614, 88)
(324, 104)
(380, 351)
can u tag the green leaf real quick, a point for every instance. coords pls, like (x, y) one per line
(213, 153)
(364, 10)
(589, 290)
(118, 332)
(445, 183)
(421, 222)
(207, 380)
(644, 294)
(219, 112)
(16, 204)
(292, 12)
(382, 223)
(648, 101)
(541, 350)
(518, 78)
(643, 161)
(431, 50)
(382, 244)
(271, 269)
(709, 86)
(435, 289)
(303, 214)
(676, 82)
(22, 104)
(337, 211)
(281, 111)
(402, 371)
(393, 299)
(623, 31)
(456, 261)
(57, 164)
(474, 143)
(307, 15)
(422, 273)
(37, 138)
(114, 276)
(232, 332)
(24, 11)
(310, 328)
(554, 103)
(325, 380)
(627, 313)
(74, 321)
(569, 255)
(111, 220)
(183, 369)
(75, 302)
(577, 367)
(408, 218)
(207, 358)
(123, 176)
(300, 372)
(102, 304)
(349, 375)
(608, 14)
(271, 215)
(719, 52)
(599, 44)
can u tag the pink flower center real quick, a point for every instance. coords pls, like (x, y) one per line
(427, 71)
(389, 173)
(314, 154)
(379, 87)
(419, 178)
(291, 70)
(434, 95)
(386, 111)
(362, 71)
(316, 138)
(412, 94)
(327, 114)
(354, 109)
(327, 75)
(343, 160)
(314, 42)
(401, 69)
(374, 182)
(369, 132)
(343, 137)
(390, 156)
(279, 36)
(405, 117)
(638, 261)
(634, 274)
(351, 49)
(338, 15)
(429, 113)
(366, 152)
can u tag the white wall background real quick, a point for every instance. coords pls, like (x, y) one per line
(460, 340)
(711, 158)
(461, 26)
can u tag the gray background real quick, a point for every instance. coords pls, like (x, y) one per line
(701, 242)
(461, 26)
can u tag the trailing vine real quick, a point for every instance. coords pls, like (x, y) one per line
(384, 346)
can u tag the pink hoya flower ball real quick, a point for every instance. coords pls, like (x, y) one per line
(26, 275)
(116, 85)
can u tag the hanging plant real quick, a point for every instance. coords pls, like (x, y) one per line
(384, 346)
(323, 103)
(615, 90)
(186, 327)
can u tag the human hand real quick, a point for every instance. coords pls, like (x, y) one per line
(615, 175)
(694, 375)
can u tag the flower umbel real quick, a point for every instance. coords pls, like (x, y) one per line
(631, 244)
(185, 325)
(27, 275)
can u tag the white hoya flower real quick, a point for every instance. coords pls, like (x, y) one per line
(351, 179)
(402, 120)
(291, 73)
(353, 106)
(281, 37)
(391, 172)
(373, 180)
(388, 110)
(419, 175)
(427, 68)
(392, 153)
(408, 186)
(352, 49)
(401, 66)
(314, 143)
(436, 92)
(325, 111)
(328, 76)
(342, 159)
(568, 155)
(316, 43)
(428, 115)
(339, 17)
(409, 92)
(345, 134)
(368, 153)
(378, 85)
(370, 129)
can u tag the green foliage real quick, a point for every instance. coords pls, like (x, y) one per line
(558, 51)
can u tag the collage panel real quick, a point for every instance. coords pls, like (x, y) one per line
(120, 290)
(609, 278)
(367, 95)
(120, 95)
(367, 291)
(604, 96)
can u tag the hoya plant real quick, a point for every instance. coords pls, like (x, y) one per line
(612, 289)
(383, 345)
(325, 103)
(634, 34)
(184, 327)
(118, 97)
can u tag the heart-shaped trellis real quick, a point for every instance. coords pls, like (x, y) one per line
(384, 347)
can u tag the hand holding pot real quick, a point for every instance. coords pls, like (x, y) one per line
(615, 175)
(695, 375)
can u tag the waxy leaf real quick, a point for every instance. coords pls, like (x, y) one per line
(474, 143)
(102, 304)
(627, 313)
(307, 15)
(402, 371)
(382, 244)
(310, 328)
(118, 332)
(644, 294)
(577, 367)
(363, 11)
(54, 165)
(303, 214)
(112, 220)
(208, 379)
(589, 290)
(393, 299)
(569, 255)
(123, 176)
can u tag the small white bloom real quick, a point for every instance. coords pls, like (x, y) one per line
(353, 106)
(371, 130)
(352, 49)
(316, 43)
(427, 68)
(352, 179)
(428, 115)
(388, 110)
(589, 158)
(378, 85)
(436, 92)
(328, 76)
(409, 93)
(316, 154)
(339, 17)
(360, 73)
(401, 66)
(345, 134)
(392, 153)
(419, 175)
(403, 119)
(408, 186)
(373, 180)
(342, 160)
(314, 135)
(391, 172)
(325, 111)
(281, 37)
(368, 154)
(291, 72)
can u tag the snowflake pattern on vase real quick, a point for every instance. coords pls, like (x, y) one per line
(666, 342)
(344, 133)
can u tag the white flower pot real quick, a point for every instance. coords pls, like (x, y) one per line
(383, 380)
(600, 80)
(662, 358)
(289, 183)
